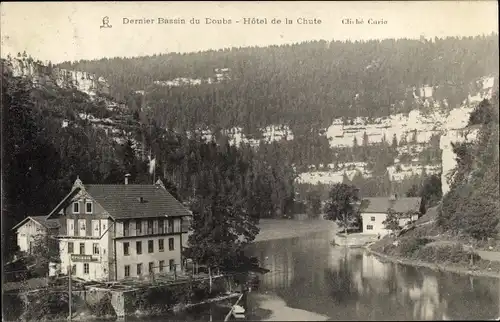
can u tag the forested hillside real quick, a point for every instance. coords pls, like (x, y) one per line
(472, 206)
(303, 85)
(47, 145)
(156, 106)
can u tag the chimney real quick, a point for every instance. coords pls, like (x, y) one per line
(126, 178)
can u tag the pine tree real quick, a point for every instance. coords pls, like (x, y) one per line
(341, 205)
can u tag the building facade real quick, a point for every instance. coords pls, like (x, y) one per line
(375, 213)
(32, 227)
(114, 232)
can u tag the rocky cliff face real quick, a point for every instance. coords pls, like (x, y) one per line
(116, 123)
(434, 118)
(42, 75)
(413, 132)
(448, 158)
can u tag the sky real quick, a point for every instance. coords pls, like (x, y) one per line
(69, 31)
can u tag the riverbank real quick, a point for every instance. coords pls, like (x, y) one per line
(288, 228)
(426, 245)
(353, 240)
(462, 270)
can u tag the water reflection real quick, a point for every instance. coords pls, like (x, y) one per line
(310, 274)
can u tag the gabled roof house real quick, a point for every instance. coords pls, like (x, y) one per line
(375, 212)
(118, 231)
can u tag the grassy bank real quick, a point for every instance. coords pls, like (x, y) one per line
(427, 246)
(453, 268)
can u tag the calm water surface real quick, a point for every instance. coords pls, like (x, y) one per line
(312, 280)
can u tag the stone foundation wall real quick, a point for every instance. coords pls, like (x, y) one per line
(96, 302)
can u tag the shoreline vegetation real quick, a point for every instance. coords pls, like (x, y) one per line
(272, 230)
(178, 308)
(441, 267)
(426, 245)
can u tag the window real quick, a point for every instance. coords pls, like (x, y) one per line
(86, 268)
(95, 247)
(70, 224)
(170, 226)
(73, 269)
(160, 245)
(150, 246)
(139, 269)
(126, 249)
(126, 226)
(171, 264)
(170, 244)
(82, 248)
(369, 227)
(151, 267)
(71, 248)
(161, 228)
(88, 207)
(76, 207)
(150, 227)
(162, 265)
(95, 228)
(81, 227)
(138, 227)
(138, 247)
(372, 218)
(127, 270)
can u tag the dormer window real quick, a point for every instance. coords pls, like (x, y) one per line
(88, 207)
(76, 207)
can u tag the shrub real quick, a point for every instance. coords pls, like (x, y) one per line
(409, 246)
(447, 254)
(13, 307)
(162, 298)
(103, 307)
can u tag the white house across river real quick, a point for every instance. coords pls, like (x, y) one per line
(376, 211)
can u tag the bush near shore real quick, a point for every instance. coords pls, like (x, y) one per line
(433, 250)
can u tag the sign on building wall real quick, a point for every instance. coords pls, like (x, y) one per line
(83, 258)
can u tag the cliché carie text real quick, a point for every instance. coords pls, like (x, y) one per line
(361, 21)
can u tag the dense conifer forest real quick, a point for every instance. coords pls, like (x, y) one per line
(41, 159)
(304, 86)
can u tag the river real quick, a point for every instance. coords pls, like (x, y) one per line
(312, 280)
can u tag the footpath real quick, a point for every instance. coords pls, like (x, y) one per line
(489, 255)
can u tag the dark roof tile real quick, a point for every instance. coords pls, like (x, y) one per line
(401, 205)
(124, 201)
(47, 223)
